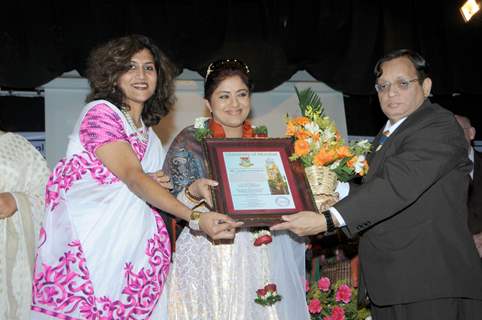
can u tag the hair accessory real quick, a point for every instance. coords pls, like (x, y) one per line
(234, 63)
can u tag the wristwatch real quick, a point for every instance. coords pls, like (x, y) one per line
(194, 220)
(330, 226)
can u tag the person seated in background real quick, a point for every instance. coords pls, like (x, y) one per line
(23, 176)
(475, 188)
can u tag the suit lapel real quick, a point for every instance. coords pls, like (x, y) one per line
(376, 157)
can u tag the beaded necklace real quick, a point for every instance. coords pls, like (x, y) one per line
(143, 137)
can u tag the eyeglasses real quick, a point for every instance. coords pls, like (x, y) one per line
(400, 84)
(227, 63)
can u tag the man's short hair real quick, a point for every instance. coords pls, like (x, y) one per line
(417, 60)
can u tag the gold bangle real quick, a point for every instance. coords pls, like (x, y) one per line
(190, 196)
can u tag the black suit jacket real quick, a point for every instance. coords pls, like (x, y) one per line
(475, 196)
(411, 214)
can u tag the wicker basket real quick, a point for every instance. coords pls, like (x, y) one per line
(322, 182)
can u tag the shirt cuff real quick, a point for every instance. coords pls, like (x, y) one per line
(338, 217)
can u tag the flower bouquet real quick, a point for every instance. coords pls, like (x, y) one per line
(322, 151)
(327, 301)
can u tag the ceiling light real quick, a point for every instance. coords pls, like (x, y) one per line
(468, 9)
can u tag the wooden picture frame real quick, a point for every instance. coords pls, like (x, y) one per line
(257, 181)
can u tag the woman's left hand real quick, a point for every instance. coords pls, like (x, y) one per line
(8, 206)
(201, 188)
(161, 178)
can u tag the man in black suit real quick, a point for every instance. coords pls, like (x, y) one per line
(475, 190)
(418, 260)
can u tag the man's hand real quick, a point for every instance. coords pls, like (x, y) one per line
(8, 206)
(218, 226)
(478, 242)
(303, 223)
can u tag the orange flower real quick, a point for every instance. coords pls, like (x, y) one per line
(290, 129)
(365, 168)
(315, 136)
(302, 147)
(301, 121)
(351, 163)
(324, 157)
(343, 152)
(302, 134)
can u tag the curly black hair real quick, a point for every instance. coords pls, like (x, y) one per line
(111, 60)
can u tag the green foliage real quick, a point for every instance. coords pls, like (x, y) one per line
(268, 301)
(260, 130)
(308, 100)
(202, 133)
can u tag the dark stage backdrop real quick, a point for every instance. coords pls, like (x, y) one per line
(336, 41)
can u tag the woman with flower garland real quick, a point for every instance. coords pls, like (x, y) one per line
(258, 275)
(104, 252)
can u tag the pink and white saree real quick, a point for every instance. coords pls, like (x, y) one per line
(103, 252)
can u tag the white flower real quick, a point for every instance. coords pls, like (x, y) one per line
(359, 164)
(335, 164)
(260, 233)
(312, 127)
(200, 122)
(363, 144)
(328, 134)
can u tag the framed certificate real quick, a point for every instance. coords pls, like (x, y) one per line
(257, 181)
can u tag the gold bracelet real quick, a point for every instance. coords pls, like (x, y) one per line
(190, 196)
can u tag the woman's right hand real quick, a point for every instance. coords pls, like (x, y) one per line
(201, 188)
(218, 226)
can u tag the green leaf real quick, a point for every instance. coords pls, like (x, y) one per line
(262, 129)
(309, 98)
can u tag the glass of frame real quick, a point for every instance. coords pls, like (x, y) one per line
(257, 181)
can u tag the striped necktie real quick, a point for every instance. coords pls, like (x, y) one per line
(383, 138)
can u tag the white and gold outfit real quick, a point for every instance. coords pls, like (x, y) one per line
(219, 281)
(24, 174)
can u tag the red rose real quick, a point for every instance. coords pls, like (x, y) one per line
(264, 239)
(270, 287)
(261, 293)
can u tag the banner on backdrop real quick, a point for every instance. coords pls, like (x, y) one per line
(37, 139)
